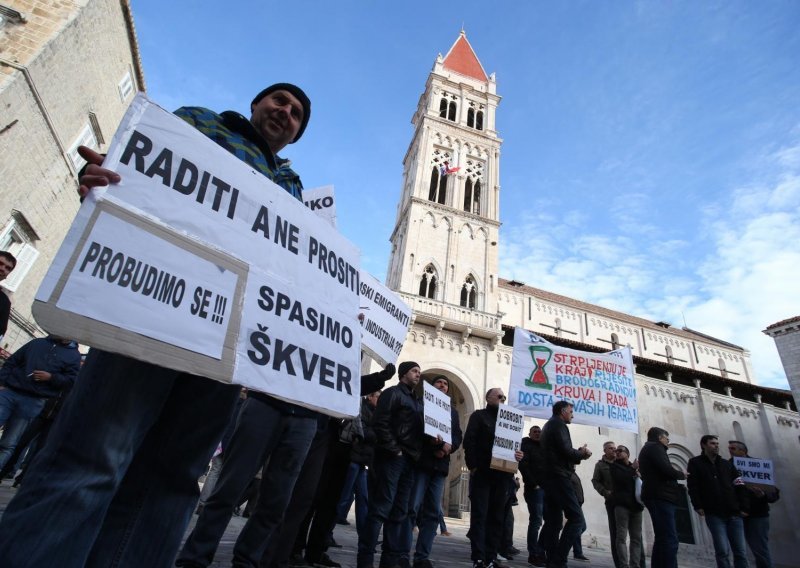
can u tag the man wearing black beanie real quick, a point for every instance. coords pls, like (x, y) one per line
(398, 425)
(133, 438)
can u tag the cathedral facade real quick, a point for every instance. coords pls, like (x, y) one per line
(444, 264)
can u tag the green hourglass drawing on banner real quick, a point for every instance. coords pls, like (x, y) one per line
(541, 357)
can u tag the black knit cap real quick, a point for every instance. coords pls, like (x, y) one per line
(405, 367)
(297, 92)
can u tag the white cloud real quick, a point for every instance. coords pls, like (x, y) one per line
(735, 277)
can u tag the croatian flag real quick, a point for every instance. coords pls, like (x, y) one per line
(446, 170)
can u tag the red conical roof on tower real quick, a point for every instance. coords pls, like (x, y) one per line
(462, 59)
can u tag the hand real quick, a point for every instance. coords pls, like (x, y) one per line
(635, 463)
(585, 451)
(701, 512)
(743, 514)
(41, 376)
(518, 455)
(447, 448)
(388, 372)
(94, 176)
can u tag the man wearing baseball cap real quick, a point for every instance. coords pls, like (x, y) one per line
(117, 480)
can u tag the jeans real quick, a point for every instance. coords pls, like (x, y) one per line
(426, 499)
(612, 535)
(211, 478)
(489, 499)
(362, 498)
(116, 482)
(577, 546)
(534, 498)
(728, 534)
(262, 433)
(560, 501)
(628, 522)
(756, 531)
(17, 410)
(348, 492)
(665, 539)
(388, 508)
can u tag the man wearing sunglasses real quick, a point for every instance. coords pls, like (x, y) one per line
(489, 489)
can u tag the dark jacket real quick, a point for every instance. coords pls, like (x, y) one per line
(559, 455)
(479, 438)
(577, 486)
(601, 479)
(398, 422)
(759, 504)
(532, 464)
(62, 361)
(716, 487)
(441, 465)
(623, 486)
(659, 478)
(363, 449)
(5, 312)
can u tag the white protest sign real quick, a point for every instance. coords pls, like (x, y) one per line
(755, 470)
(264, 293)
(601, 386)
(507, 433)
(436, 407)
(320, 201)
(385, 322)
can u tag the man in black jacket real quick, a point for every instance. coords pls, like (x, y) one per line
(661, 493)
(398, 425)
(532, 469)
(488, 488)
(718, 494)
(559, 494)
(431, 475)
(756, 524)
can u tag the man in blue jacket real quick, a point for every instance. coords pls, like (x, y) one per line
(38, 370)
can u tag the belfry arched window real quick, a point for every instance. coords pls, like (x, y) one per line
(427, 284)
(438, 189)
(479, 120)
(472, 196)
(443, 108)
(451, 111)
(471, 117)
(469, 294)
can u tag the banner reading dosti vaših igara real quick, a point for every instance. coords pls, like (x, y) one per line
(601, 386)
(197, 262)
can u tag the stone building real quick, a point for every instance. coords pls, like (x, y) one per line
(68, 69)
(444, 263)
(786, 334)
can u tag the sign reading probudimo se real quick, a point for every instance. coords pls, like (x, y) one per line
(197, 262)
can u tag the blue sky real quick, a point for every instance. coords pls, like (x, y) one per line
(651, 155)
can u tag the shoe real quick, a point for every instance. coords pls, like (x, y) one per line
(582, 558)
(512, 550)
(333, 544)
(342, 522)
(478, 564)
(324, 561)
(536, 560)
(423, 564)
(446, 533)
(497, 563)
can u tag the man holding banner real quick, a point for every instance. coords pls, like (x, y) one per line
(559, 494)
(756, 525)
(489, 489)
(118, 477)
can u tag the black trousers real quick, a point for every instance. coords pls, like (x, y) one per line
(489, 504)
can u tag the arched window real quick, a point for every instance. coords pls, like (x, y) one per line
(443, 108)
(614, 341)
(472, 196)
(469, 295)
(738, 433)
(670, 356)
(471, 118)
(468, 193)
(451, 111)
(438, 188)
(479, 120)
(427, 284)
